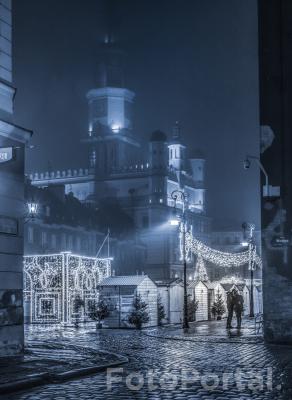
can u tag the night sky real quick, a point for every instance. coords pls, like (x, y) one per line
(192, 61)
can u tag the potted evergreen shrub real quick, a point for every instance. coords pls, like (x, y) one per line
(139, 314)
(99, 311)
(192, 308)
(218, 308)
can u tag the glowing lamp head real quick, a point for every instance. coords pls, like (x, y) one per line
(115, 128)
(244, 244)
(174, 222)
(32, 209)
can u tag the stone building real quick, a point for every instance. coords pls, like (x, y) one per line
(12, 145)
(139, 175)
(63, 224)
(275, 62)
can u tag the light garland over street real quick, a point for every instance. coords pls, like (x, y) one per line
(220, 258)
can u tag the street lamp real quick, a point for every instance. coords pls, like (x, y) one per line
(32, 209)
(247, 164)
(251, 263)
(180, 195)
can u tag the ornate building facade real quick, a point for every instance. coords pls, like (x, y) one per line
(139, 176)
(12, 144)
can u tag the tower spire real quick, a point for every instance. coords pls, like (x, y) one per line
(111, 56)
(176, 131)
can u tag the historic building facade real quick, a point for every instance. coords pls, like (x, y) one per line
(62, 223)
(139, 176)
(12, 144)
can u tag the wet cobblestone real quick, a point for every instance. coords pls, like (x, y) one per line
(159, 362)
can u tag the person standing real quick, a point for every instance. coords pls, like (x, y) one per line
(238, 308)
(230, 308)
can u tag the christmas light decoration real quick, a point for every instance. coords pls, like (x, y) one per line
(220, 258)
(200, 271)
(53, 282)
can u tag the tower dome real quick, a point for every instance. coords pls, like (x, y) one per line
(158, 136)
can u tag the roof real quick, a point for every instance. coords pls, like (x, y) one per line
(126, 280)
(169, 282)
(240, 286)
(209, 285)
(227, 286)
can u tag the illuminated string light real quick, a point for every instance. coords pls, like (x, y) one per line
(52, 283)
(220, 258)
(200, 271)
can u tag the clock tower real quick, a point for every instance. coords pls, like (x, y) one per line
(111, 143)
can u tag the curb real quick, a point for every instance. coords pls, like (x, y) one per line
(32, 381)
(51, 378)
(183, 339)
(63, 376)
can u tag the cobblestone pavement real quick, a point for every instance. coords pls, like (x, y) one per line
(50, 358)
(173, 369)
(212, 331)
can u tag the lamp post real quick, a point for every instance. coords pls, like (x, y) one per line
(180, 195)
(251, 263)
(32, 208)
(246, 165)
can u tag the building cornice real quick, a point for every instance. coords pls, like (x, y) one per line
(110, 92)
(14, 132)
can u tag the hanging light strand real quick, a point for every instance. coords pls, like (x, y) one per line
(220, 258)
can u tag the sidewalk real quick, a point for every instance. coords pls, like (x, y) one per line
(50, 362)
(210, 331)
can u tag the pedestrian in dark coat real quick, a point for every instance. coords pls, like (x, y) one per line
(230, 308)
(238, 308)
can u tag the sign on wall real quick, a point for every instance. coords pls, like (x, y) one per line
(6, 154)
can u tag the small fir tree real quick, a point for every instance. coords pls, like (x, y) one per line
(160, 311)
(139, 314)
(99, 311)
(218, 308)
(192, 308)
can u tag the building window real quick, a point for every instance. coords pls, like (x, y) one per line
(54, 241)
(145, 221)
(47, 211)
(84, 244)
(63, 241)
(30, 234)
(78, 244)
(44, 238)
(70, 242)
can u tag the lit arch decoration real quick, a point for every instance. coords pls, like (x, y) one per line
(220, 258)
(53, 282)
